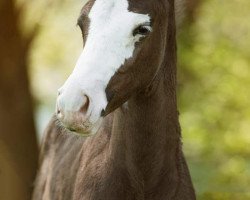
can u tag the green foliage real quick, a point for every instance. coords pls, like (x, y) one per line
(214, 79)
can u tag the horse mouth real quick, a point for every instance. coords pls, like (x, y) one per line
(81, 130)
(84, 129)
(81, 133)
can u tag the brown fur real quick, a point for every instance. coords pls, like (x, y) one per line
(137, 153)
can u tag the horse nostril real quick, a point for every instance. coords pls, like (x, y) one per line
(59, 92)
(59, 113)
(102, 113)
(85, 106)
(109, 94)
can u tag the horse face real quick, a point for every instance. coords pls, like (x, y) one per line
(123, 41)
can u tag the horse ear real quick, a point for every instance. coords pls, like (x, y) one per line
(180, 7)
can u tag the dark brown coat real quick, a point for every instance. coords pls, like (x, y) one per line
(137, 154)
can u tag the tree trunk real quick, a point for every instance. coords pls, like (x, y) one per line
(18, 144)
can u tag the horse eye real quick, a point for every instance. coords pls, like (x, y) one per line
(142, 30)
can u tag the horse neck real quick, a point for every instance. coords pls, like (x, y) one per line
(146, 136)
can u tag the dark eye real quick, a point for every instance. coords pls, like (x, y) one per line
(142, 30)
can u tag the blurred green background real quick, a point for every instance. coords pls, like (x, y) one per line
(213, 84)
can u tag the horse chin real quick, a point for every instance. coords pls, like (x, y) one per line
(86, 130)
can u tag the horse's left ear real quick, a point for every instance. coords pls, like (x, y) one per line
(180, 7)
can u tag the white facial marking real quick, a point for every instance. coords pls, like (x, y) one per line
(109, 43)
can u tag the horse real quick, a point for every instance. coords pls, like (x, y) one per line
(116, 134)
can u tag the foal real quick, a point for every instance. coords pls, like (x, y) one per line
(122, 93)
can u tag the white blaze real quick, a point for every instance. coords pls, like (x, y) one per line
(110, 42)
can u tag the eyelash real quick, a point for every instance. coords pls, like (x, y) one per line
(142, 30)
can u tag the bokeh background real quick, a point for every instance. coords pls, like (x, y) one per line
(40, 43)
